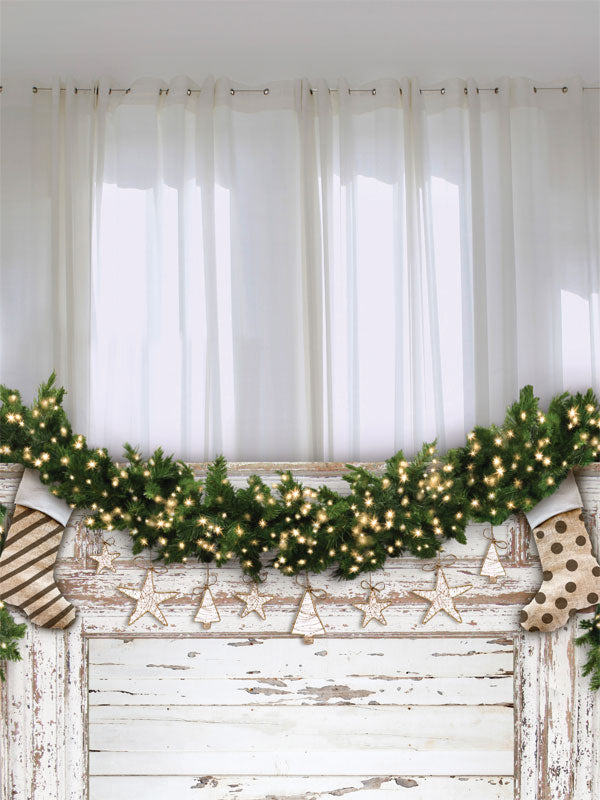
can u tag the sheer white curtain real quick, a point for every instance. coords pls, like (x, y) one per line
(304, 273)
(47, 175)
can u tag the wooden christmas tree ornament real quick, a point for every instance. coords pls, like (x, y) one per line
(208, 612)
(492, 566)
(308, 622)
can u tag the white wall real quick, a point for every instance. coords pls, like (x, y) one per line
(257, 41)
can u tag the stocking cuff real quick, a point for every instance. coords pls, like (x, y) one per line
(32, 493)
(565, 498)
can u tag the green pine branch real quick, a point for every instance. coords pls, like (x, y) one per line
(10, 631)
(591, 639)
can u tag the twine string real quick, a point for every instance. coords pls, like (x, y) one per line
(439, 562)
(501, 544)
(372, 587)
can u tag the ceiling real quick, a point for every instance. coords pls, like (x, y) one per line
(256, 41)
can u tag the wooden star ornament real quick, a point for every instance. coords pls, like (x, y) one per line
(373, 607)
(105, 559)
(148, 599)
(255, 601)
(442, 597)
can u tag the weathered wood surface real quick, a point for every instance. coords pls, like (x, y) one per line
(235, 787)
(362, 713)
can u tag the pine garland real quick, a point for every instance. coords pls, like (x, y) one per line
(411, 507)
(10, 631)
(591, 639)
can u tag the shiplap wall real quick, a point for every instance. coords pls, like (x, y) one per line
(478, 710)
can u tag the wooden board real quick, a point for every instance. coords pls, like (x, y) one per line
(479, 710)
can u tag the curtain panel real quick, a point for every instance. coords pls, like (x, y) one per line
(304, 271)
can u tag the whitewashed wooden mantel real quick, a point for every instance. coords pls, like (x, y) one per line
(478, 711)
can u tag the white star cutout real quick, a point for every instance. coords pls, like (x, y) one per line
(255, 601)
(148, 599)
(442, 597)
(373, 608)
(105, 559)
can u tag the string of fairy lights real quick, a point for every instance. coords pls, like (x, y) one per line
(411, 506)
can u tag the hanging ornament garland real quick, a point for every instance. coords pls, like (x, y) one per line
(442, 596)
(308, 622)
(207, 613)
(492, 566)
(148, 598)
(373, 607)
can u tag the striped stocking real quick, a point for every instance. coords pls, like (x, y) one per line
(29, 554)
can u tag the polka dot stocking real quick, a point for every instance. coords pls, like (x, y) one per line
(571, 577)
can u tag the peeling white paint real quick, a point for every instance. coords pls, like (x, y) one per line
(434, 703)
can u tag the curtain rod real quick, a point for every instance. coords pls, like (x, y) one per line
(442, 90)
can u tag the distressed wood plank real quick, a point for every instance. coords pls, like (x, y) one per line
(46, 695)
(423, 671)
(555, 762)
(75, 723)
(17, 727)
(587, 724)
(130, 658)
(241, 787)
(313, 692)
(409, 762)
(301, 740)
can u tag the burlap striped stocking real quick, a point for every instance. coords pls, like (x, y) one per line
(30, 548)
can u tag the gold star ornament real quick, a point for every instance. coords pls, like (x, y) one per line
(442, 597)
(105, 559)
(373, 607)
(255, 601)
(148, 599)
